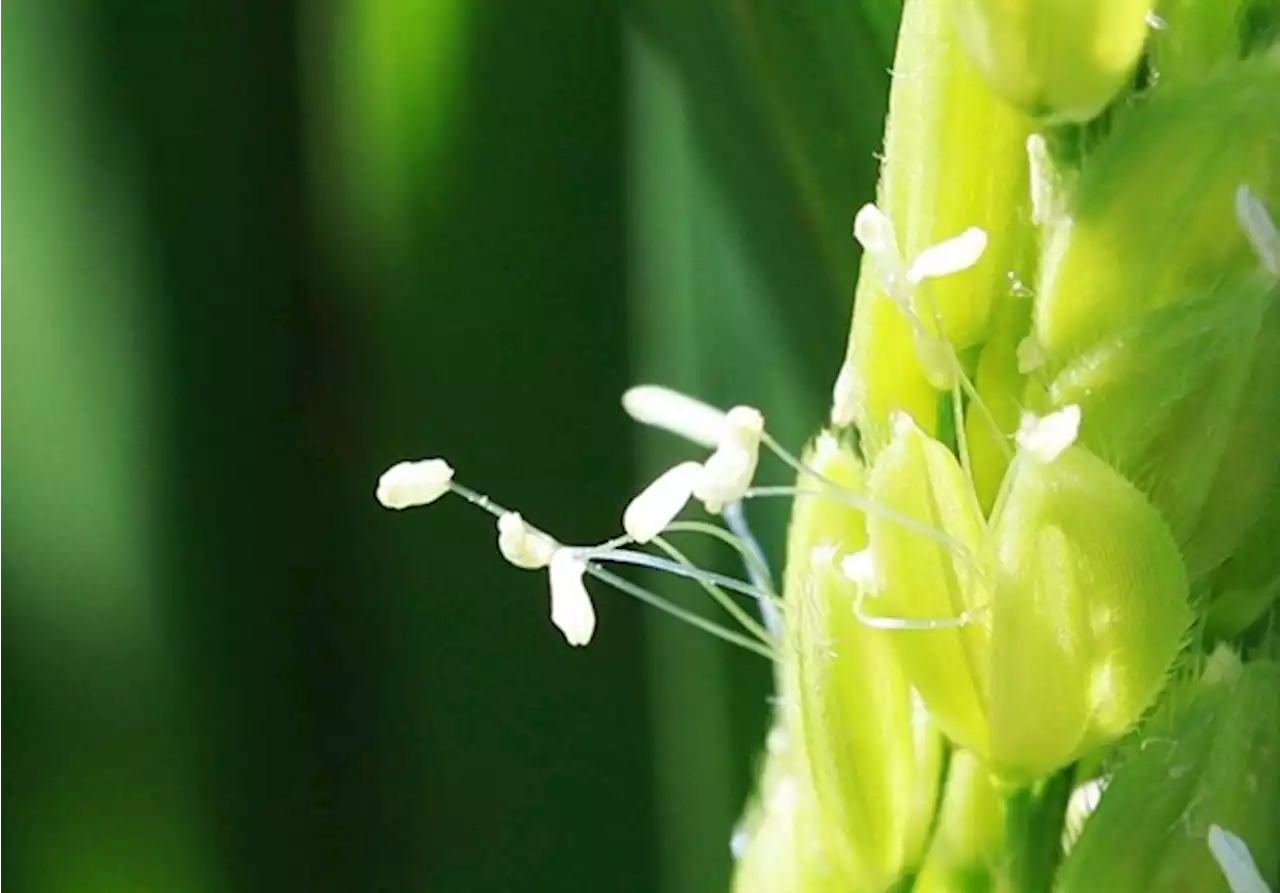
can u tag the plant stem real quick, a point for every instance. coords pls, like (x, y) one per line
(1033, 835)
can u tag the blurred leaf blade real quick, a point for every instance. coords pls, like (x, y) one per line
(398, 74)
(788, 102)
(102, 794)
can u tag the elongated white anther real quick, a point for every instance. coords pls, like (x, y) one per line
(678, 413)
(1258, 228)
(1039, 167)
(1081, 804)
(1047, 437)
(844, 397)
(953, 255)
(407, 484)
(727, 474)
(1233, 857)
(571, 608)
(659, 503)
(523, 547)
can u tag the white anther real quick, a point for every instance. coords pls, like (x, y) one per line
(951, 256)
(874, 232)
(1258, 228)
(571, 608)
(658, 504)
(523, 547)
(727, 474)
(1233, 857)
(1039, 166)
(725, 477)
(407, 484)
(844, 397)
(743, 426)
(672, 411)
(860, 568)
(1047, 437)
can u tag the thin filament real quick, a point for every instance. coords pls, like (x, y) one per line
(655, 601)
(742, 543)
(687, 571)
(735, 518)
(913, 623)
(731, 607)
(843, 495)
(612, 550)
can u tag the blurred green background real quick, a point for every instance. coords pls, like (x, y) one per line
(260, 251)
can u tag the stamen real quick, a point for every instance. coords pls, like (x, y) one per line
(728, 472)
(1081, 805)
(639, 592)
(571, 608)
(953, 255)
(874, 232)
(521, 545)
(1233, 857)
(672, 411)
(1046, 438)
(408, 484)
(657, 506)
(860, 568)
(746, 547)
(688, 570)
(702, 578)
(739, 538)
(479, 500)
(1040, 166)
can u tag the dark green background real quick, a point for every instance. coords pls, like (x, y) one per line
(258, 252)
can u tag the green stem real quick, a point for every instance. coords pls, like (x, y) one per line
(1033, 835)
